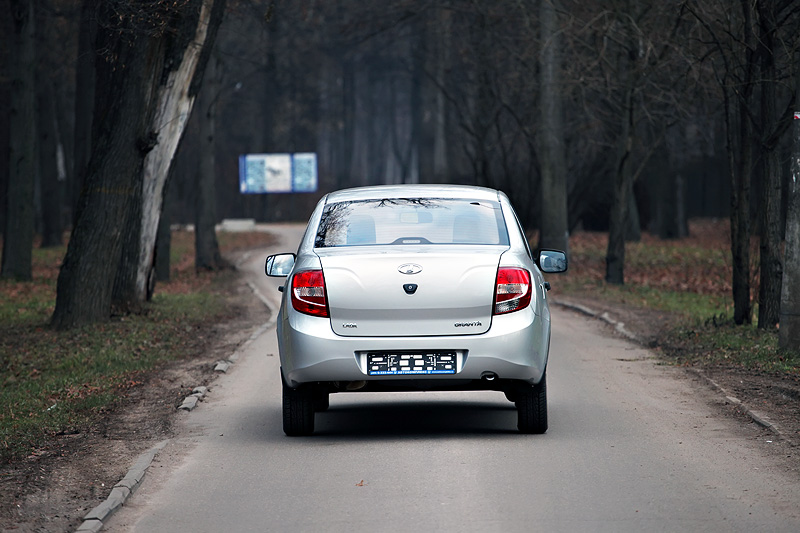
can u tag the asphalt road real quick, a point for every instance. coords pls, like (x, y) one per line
(632, 446)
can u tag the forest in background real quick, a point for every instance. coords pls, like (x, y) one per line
(646, 113)
(448, 92)
(431, 92)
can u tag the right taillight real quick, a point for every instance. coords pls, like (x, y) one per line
(308, 293)
(512, 290)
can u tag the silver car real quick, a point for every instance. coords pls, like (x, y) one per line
(414, 287)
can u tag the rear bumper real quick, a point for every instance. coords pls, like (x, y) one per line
(514, 348)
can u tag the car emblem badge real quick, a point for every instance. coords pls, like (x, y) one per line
(409, 268)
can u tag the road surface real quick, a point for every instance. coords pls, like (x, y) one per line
(632, 446)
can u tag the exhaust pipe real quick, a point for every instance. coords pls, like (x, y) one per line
(355, 385)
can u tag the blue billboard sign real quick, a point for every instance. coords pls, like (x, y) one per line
(277, 173)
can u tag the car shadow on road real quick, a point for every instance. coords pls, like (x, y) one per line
(415, 419)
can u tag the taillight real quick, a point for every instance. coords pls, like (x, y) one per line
(513, 290)
(308, 293)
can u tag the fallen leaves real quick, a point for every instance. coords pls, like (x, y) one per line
(698, 264)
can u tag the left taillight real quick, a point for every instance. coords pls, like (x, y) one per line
(512, 290)
(308, 293)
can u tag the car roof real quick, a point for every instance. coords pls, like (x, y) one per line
(412, 191)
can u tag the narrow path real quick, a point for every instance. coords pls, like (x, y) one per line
(632, 446)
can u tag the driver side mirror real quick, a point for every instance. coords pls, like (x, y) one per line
(280, 265)
(552, 261)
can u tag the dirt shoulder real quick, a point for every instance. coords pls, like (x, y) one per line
(770, 400)
(53, 491)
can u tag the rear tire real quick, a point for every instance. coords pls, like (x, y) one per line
(532, 408)
(298, 410)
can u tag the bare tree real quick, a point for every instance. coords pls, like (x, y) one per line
(207, 256)
(627, 79)
(18, 238)
(789, 332)
(553, 232)
(774, 18)
(84, 100)
(141, 50)
(51, 173)
(747, 48)
(186, 55)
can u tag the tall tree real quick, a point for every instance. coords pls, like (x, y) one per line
(141, 51)
(773, 123)
(553, 231)
(631, 82)
(207, 255)
(626, 72)
(51, 173)
(19, 229)
(622, 176)
(186, 54)
(749, 49)
(789, 332)
(84, 100)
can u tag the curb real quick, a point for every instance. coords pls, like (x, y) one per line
(760, 418)
(222, 366)
(605, 317)
(756, 416)
(94, 519)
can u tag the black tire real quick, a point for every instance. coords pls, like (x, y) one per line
(298, 410)
(532, 408)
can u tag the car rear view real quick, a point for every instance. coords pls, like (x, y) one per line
(413, 288)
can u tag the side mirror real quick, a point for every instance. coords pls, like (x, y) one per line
(552, 261)
(279, 266)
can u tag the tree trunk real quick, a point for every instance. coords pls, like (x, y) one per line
(737, 115)
(19, 229)
(770, 248)
(184, 63)
(633, 225)
(425, 107)
(740, 220)
(769, 294)
(670, 208)
(348, 130)
(554, 221)
(615, 253)
(163, 244)
(789, 332)
(126, 80)
(444, 41)
(84, 100)
(207, 256)
(50, 179)
(419, 114)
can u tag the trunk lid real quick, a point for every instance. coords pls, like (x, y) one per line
(416, 291)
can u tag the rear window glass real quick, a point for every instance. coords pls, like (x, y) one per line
(414, 221)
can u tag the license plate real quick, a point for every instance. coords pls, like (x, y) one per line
(417, 363)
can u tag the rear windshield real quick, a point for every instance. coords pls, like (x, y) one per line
(414, 221)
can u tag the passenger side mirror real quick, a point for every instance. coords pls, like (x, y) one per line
(552, 261)
(280, 265)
